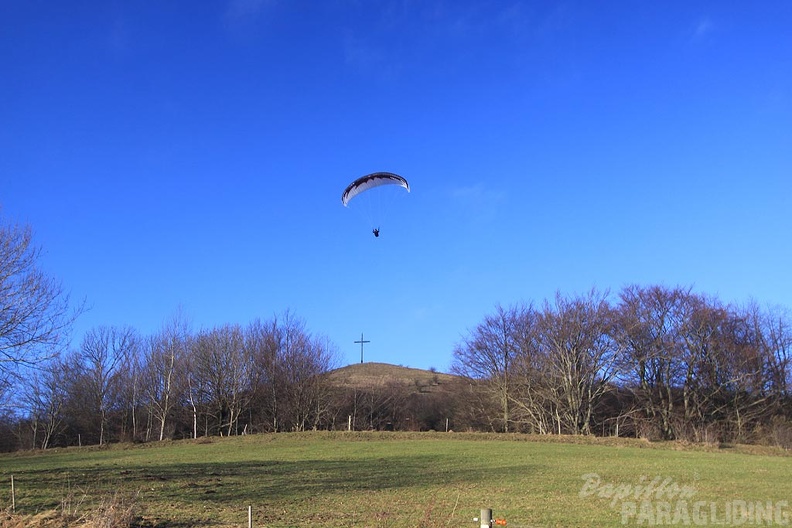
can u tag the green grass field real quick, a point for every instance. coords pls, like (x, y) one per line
(406, 480)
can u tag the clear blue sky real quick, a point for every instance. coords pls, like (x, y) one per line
(192, 155)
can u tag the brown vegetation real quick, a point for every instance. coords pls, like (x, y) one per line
(374, 375)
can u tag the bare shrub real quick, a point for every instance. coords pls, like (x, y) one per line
(781, 433)
(114, 511)
(72, 503)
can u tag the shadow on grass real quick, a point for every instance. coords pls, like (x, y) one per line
(171, 493)
(290, 480)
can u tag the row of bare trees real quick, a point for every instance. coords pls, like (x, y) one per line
(269, 376)
(228, 380)
(657, 362)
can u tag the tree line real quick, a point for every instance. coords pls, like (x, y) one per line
(656, 362)
(652, 361)
(119, 386)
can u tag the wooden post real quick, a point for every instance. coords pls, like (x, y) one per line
(250, 516)
(13, 496)
(486, 518)
(349, 423)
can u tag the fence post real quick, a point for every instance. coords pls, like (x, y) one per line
(13, 496)
(250, 516)
(485, 518)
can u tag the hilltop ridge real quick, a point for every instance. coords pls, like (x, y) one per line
(380, 374)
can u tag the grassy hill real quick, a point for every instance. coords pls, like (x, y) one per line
(373, 375)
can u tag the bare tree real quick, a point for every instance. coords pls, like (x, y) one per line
(580, 357)
(489, 354)
(304, 359)
(533, 403)
(133, 393)
(45, 397)
(650, 326)
(198, 394)
(749, 374)
(223, 367)
(774, 327)
(165, 370)
(287, 376)
(263, 342)
(105, 353)
(705, 347)
(729, 369)
(35, 318)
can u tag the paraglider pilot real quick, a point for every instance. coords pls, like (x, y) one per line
(376, 232)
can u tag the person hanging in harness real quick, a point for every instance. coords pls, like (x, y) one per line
(376, 232)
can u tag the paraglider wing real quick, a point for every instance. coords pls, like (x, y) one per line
(370, 181)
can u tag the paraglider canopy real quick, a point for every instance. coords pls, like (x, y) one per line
(370, 181)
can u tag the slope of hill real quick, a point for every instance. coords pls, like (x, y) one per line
(372, 375)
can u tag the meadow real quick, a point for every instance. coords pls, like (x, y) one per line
(401, 480)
